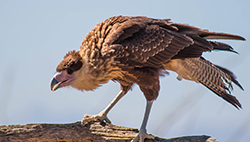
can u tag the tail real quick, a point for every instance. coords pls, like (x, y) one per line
(217, 79)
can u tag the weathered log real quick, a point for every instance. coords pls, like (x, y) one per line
(95, 131)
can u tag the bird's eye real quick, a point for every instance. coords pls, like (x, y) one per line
(69, 71)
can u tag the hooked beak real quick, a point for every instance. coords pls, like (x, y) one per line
(54, 84)
(60, 79)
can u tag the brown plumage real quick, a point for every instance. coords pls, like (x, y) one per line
(137, 50)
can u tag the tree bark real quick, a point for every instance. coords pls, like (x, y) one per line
(94, 131)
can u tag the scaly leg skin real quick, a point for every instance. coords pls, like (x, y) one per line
(143, 132)
(102, 116)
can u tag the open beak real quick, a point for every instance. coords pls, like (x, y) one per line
(54, 84)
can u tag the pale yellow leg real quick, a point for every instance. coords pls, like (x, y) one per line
(102, 116)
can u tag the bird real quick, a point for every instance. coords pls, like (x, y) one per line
(138, 50)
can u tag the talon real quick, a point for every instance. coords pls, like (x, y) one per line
(87, 116)
(142, 135)
(92, 118)
(107, 120)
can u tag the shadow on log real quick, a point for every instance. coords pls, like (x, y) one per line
(96, 131)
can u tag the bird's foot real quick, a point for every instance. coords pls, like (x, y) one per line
(102, 117)
(142, 135)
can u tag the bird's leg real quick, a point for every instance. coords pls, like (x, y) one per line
(102, 116)
(143, 132)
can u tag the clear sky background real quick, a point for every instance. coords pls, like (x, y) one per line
(35, 35)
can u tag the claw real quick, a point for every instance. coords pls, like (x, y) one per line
(141, 136)
(92, 118)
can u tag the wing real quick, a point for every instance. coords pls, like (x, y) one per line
(143, 41)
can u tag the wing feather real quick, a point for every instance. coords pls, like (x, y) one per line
(150, 42)
(191, 30)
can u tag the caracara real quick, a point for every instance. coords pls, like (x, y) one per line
(138, 50)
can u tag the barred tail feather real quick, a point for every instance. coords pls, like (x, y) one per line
(233, 77)
(217, 79)
(229, 98)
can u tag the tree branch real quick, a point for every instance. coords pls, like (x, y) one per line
(95, 131)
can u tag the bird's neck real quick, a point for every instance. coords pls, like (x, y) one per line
(97, 69)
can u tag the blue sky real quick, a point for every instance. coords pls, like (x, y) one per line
(35, 35)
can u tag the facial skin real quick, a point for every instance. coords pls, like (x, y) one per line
(61, 79)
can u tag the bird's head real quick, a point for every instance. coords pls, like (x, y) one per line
(72, 71)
